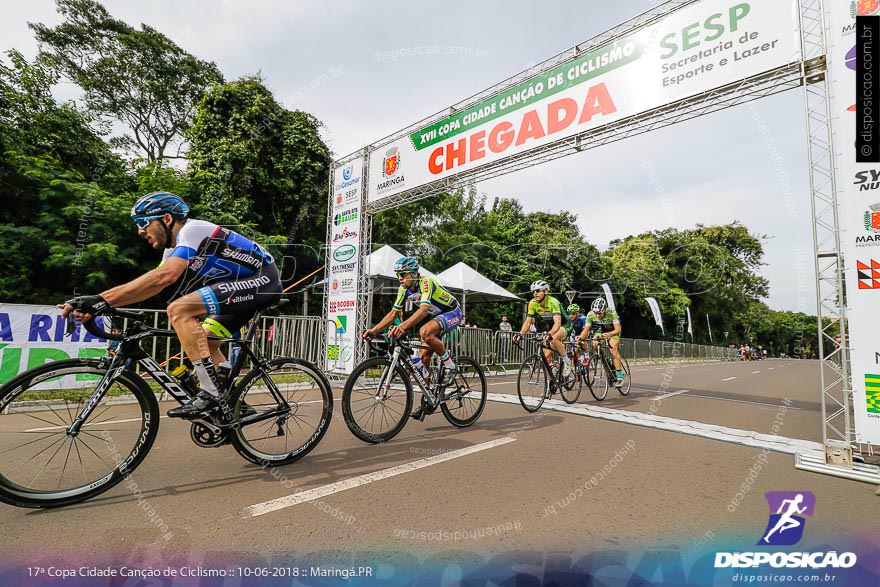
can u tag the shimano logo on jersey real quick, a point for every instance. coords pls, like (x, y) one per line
(239, 255)
(233, 286)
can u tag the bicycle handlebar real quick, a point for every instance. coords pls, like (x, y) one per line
(92, 327)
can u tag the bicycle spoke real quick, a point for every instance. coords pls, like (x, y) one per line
(53, 424)
(82, 466)
(64, 468)
(96, 454)
(43, 468)
(31, 441)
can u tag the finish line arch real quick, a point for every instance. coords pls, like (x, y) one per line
(676, 61)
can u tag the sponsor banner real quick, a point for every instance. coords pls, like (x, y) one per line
(705, 45)
(33, 335)
(346, 228)
(347, 185)
(858, 188)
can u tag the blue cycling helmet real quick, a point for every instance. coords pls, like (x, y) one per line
(157, 204)
(406, 265)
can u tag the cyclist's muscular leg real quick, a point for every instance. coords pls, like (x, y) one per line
(430, 335)
(556, 342)
(614, 343)
(185, 314)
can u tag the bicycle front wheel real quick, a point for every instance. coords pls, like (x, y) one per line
(41, 464)
(375, 401)
(467, 394)
(285, 410)
(532, 383)
(571, 392)
(597, 378)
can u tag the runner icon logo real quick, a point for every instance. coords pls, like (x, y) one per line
(786, 524)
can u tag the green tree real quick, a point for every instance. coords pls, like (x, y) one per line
(137, 76)
(253, 161)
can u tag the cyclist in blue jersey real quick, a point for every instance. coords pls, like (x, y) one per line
(221, 280)
(577, 323)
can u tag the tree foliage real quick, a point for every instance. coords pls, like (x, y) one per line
(137, 76)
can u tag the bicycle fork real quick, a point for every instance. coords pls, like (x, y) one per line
(117, 365)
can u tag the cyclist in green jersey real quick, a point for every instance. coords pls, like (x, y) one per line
(605, 323)
(434, 301)
(545, 312)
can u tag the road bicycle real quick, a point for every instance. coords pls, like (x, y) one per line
(378, 395)
(601, 373)
(72, 429)
(540, 378)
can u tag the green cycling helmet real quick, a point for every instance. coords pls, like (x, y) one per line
(572, 309)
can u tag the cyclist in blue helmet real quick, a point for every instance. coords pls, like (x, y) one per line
(222, 279)
(433, 301)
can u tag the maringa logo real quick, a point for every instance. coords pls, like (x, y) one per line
(344, 253)
(346, 173)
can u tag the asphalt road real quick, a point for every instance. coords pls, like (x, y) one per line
(550, 480)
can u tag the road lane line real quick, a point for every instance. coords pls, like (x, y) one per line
(755, 372)
(266, 507)
(728, 379)
(662, 397)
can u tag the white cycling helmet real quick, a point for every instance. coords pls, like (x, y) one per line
(599, 305)
(539, 285)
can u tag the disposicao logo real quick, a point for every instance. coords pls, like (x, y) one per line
(785, 527)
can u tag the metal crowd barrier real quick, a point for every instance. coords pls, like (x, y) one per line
(303, 337)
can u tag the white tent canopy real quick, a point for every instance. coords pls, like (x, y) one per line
(475, 285)
(381, 264)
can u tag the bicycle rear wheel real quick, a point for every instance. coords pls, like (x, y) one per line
(597, 378)
(375, 401)
(532, 383)
(41, 465)
(467, 394)
(627, 377)
(293, 404)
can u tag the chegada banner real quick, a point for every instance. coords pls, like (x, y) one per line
(32, 335)
(705, 45)
(858, 189)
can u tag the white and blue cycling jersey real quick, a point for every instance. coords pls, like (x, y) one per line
(215, 254)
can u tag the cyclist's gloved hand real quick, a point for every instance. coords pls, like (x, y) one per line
(517, 337)
(89, 305)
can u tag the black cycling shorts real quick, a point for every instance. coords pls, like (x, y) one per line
(231, 304)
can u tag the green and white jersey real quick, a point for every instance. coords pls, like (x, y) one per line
(544, 313)
(606, 324)
(427, 292)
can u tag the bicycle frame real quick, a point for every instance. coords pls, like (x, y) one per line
(130, 351)
(395, 356)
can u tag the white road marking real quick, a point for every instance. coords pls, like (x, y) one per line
(755, 372)
(662, 397)
(712, 431)
(319, 492)
(728, 379)
(769, 368)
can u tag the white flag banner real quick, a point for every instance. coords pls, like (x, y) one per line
(608, 297)
(690, 327)
(655, 309)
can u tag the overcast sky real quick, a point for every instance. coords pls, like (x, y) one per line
(369, 69)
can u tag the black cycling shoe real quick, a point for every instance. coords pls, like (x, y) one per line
(449, 376)
(423, 410)
(203, 404)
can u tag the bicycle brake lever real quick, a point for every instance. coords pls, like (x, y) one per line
(71, 325)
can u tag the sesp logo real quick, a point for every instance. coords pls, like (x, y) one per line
(787, 510)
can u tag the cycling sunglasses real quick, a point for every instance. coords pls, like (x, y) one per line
(145, 220)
